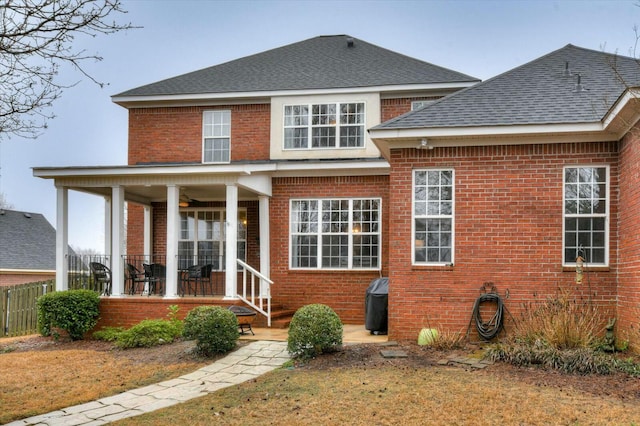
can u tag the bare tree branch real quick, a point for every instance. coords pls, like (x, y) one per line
(36, 39)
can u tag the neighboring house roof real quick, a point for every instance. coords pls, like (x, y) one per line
(27, 241)
(324, 62)
(540, 92)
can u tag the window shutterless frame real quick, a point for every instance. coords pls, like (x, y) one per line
(585, 214)
(335, 234)
(433, 213)
(216, 136)
(329, 125)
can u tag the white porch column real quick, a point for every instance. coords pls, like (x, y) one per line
(231, 265)
(147, 232)
(173, 227)
(265, 243)
(62, 238)
(117, 240)
(107, 225)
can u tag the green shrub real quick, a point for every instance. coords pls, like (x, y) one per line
(214, 329)
(146, 333)
(314, 329)
(149, 333)
(108, 334)
(74, 311)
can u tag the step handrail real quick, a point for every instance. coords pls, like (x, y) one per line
(259, 306)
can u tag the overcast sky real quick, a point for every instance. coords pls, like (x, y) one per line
(479, 38)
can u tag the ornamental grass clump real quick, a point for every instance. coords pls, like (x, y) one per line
(314, 329)
(73, 311)
(214, 329)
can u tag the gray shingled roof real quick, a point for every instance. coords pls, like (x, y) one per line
(538, 92)
(324, 62)
(27, 241)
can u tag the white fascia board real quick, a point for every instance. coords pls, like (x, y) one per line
(630, 95)
(180, 169)
(261, 95)
(330, 168)
(376, 166)
(469, 132)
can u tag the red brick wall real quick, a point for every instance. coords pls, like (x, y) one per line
(344, 291)
(629, 234)
(127, 312)
(13, 279)
(174, 135)
(508, 230)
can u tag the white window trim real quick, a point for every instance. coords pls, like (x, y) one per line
(319, 235)
(606, 214)
(413, 217)
(216, 137)
(337, 126)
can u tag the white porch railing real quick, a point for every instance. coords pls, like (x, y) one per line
(249, 273)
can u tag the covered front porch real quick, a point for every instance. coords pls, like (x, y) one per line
(172, 231)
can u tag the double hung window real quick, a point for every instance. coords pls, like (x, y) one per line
(433, 208)
(216, 132)
(202, 237)
(330, 125)
(335, 233)
(586, 214)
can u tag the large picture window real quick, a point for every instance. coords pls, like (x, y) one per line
(335, 233)
(331, 125)
(202, 237)
(586, 214)
(216, 132)
(433, 209)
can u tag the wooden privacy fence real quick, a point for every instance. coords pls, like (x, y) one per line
(19, 309)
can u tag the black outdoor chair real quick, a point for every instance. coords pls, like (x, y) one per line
(155, 274)
(135, 279)
(197, 275)
(101, 277)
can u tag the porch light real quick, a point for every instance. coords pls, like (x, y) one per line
(356, 228)
(183, 204)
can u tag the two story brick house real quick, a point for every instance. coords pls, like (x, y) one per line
(322, 165)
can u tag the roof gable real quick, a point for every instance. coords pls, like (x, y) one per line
(27, 241)
(540, 92)
(324, 62)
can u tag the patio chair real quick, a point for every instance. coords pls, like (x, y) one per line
(197, 274)
(101, 277)
(135, 279)
(155, 274)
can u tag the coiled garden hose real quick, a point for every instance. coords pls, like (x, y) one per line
(489, 330)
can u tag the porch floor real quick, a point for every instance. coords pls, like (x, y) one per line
(351, 334)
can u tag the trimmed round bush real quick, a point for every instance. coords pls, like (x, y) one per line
(314, 329)
(74, 311)
(214, 329)
(149, 333)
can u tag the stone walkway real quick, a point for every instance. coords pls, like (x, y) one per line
(246, 363)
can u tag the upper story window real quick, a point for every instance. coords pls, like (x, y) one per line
(216, 134)
(328, 125)
(419, 104)
(586, 214)
(335, 233)
(433, 207)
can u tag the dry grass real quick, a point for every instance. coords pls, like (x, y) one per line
(393, 396)
(37, 382)
(563, 321)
